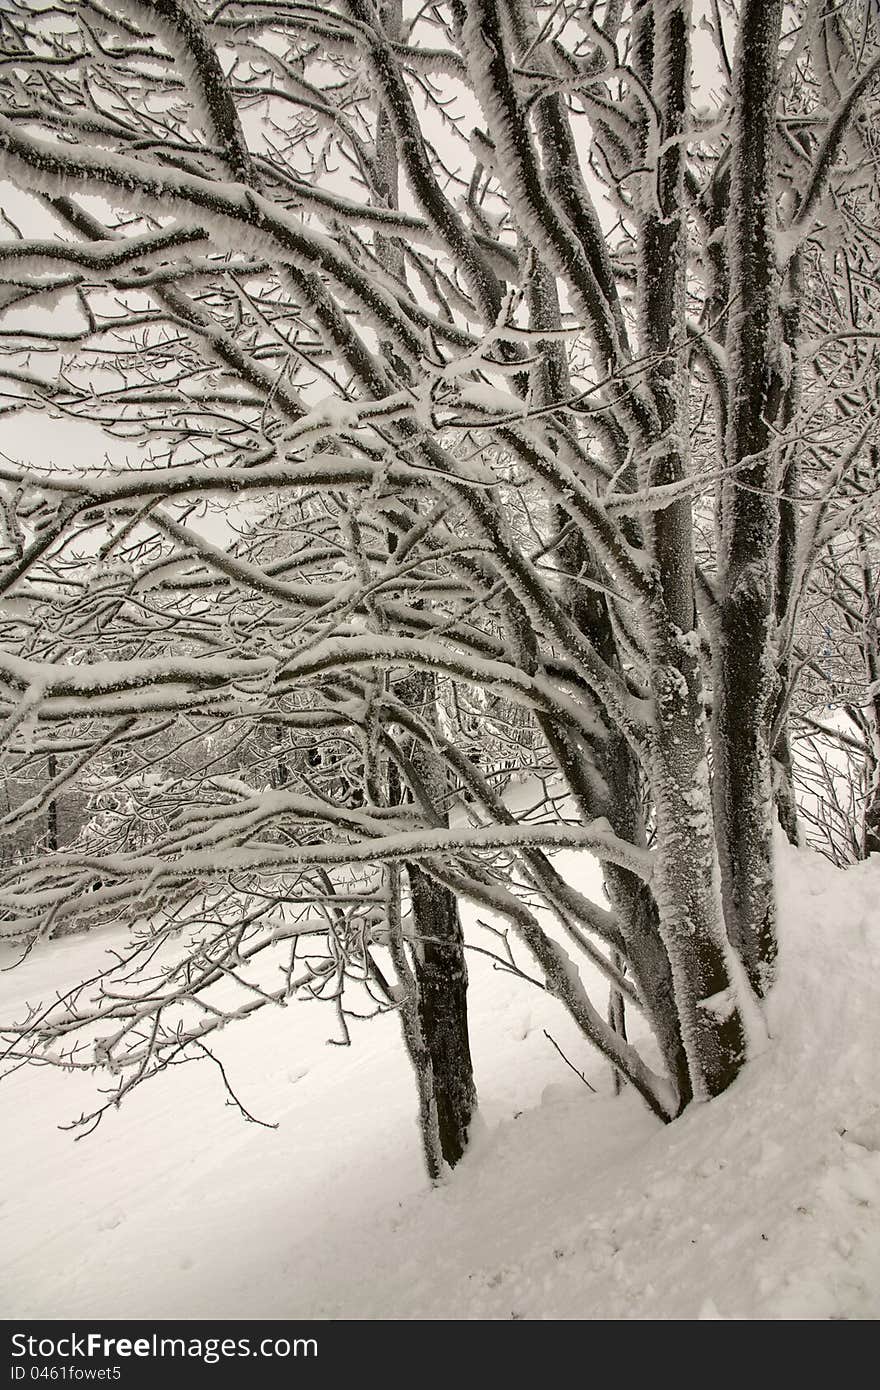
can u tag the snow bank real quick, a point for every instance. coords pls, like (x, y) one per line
(763, 1204)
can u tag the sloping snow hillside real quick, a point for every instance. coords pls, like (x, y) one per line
(764, 1204)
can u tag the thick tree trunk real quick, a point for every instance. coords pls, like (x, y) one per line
(639, 916)
(686, 880)
(441, 1000)
(744, 666)
(743, 783)
(439, 972)
(441, 1056)
(410, 1023)
(686, 883)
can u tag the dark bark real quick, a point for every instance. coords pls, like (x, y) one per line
(52, 808)
(786, 557)
(871, 824)
(744, 668)
(870, 641)
(783, 789)
(441, 999)
(442, 1059)
(617, 1019)
(439, 973)
(685, 891)
(743, 783)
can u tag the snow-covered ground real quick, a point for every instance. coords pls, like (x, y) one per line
(764, 1204)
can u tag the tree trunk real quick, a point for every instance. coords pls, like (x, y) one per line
(783, 787)
(744, 666)
(650, 969)
(787, 556)
(441, 1000)
(52, 808)
(686, 883)
(410, 1023)
(871, 819)
(617, 1019)
(686, 880)
(439, 972)
(871, 655)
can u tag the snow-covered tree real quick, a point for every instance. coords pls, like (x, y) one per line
(452, 363)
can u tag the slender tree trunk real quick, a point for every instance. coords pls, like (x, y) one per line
(871, 651)
(52, 808)
(650, 969)
(871, 818)
(282, 769)
(783, 787)
(786, 556)
(617, 1019)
